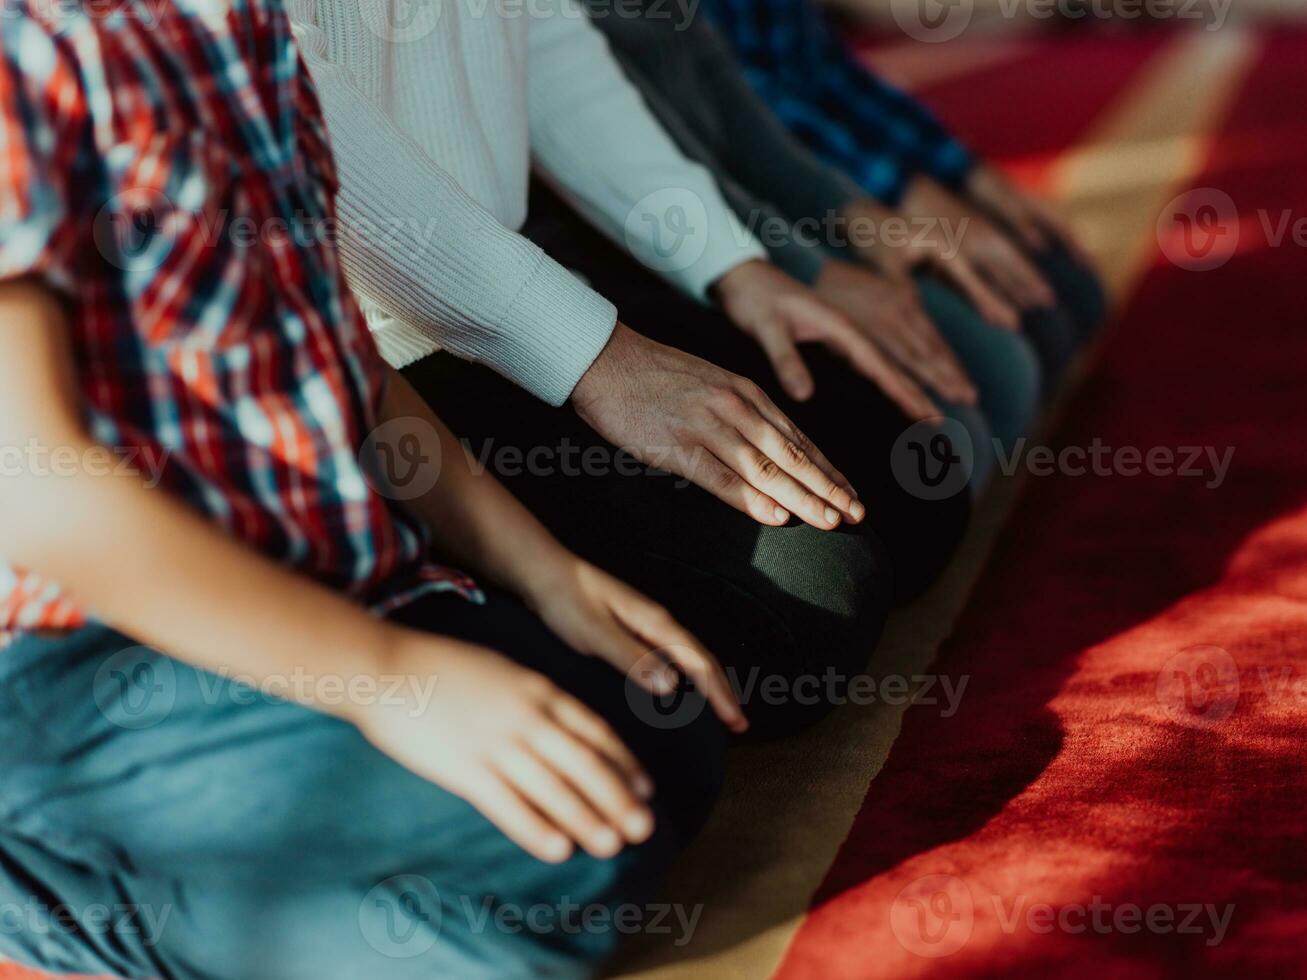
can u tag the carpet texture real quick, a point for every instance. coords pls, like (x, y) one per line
(1121, 791)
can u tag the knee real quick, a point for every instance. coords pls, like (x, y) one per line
(833, 591)
(980, 452)
(1011, 403)
(1079, 290)
(1052, 336)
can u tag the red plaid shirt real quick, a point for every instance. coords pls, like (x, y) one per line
(164, 166)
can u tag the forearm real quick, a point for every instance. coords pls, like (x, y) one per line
(140, 560)
(599, 144)
(761, 153)
(474, 520)
(435, 266)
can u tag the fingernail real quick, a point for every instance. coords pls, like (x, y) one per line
(639, 825)
(558, 848)
(782, 514)
(606, 841)
(857, 510)
(832, 515)
(643, 786)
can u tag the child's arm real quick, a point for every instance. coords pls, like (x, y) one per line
(157, 571)
(482, 527)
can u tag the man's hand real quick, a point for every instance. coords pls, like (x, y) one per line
(1037, 225)
(889, 314)
(886, 241)
(987, 250)
(780, 313)
(679, 413)
(601, 616)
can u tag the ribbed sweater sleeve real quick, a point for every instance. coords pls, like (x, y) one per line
(597, 142)
(435, 268)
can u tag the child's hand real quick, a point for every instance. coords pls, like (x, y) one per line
(602, 617)
(535, 761)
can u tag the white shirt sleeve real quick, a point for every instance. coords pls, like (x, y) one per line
(596, 141)
(433, 267)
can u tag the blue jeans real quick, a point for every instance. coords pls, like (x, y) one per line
(1014, 372)
(159, 821)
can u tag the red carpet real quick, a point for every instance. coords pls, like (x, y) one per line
(1122, 790)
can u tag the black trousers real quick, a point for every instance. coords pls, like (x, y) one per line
(779, 606)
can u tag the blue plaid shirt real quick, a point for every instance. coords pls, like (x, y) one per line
(875, 132)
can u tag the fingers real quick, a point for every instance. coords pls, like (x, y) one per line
(924, 354)
(499, 803)
(1019, 278)
(764, 471)
(719, 479)
(596, 780)
(868, 360)
(580, 721)
(669, 640)
(987, 302)
(560, 802)
(781, 350)
(757, 400)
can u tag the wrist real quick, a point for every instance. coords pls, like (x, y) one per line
(736, 281)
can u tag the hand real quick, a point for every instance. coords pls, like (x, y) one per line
(599, 616)
(781, 313)
(720, 431)
(890, 315)
(537, 763)
(1031, 219)
(992, 259)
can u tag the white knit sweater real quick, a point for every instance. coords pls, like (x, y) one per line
(437, 110)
